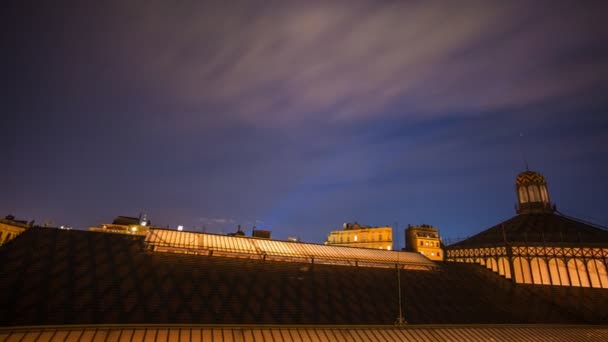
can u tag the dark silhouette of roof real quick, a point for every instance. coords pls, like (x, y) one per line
(126, 220)
(543, 228)
(51, 276)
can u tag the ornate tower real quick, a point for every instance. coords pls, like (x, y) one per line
(532, 193)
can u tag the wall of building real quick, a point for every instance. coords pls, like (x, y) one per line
(121, 229)
(561, 266)
(9, 232)
(424, 240)
(375, 237)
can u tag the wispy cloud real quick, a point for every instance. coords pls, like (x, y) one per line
(335, 61)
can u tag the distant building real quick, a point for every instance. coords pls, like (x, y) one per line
(125, 225)
(10, 228)
(424, 239)
(539, 245)
(356, 235)
(259, 233)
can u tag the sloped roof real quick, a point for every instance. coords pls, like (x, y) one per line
(193, 242)
(51, 276)
(538, 228)
(186, 333)
(530, 177)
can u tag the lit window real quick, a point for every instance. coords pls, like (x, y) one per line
(355, 237)
(432, 254)
(534, 194)
(133, 229)
(426, 243)
(543, 194)
(388, 248)
(523, 195)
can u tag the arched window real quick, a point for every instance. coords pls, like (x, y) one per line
(597, 273)
(523, 195)
(578, 273)
(540, 272)
(543, 193)
(558, 272)
(494, 265)
(521, 269)
(534, 193)
(506, 269)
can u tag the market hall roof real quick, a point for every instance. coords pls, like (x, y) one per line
(550, 228)
(53, 276)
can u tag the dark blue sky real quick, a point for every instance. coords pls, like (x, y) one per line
(299, 116)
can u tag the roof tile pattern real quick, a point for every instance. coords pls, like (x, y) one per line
(51, 276)
(530, 177)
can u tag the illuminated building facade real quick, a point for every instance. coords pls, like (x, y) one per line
(125, 225)
(356, 235)
(540, 245)
(10, 228)
(424, 239)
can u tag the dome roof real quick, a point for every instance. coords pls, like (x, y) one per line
(530, 177)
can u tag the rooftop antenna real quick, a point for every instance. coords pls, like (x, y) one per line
(400, 320)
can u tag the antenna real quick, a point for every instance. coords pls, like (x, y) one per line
(400, 320)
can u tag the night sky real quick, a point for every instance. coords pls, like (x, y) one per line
(298, 116)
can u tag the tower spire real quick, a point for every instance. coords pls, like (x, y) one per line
(532, 193)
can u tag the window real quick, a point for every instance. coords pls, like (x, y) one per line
(421, 243)
(534, 193)
(355, 238)
(523, 194)
(439, 254)
(543, 194)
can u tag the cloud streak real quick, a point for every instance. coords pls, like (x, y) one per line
(285, 62)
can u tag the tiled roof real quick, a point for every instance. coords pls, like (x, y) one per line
(186, 333)
(530, 177)
(52, 276)
(538, 228)
(192, 242)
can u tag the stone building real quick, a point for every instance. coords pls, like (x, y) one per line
(10, 228)
(357, 235)
(125, 225)
(424, 239)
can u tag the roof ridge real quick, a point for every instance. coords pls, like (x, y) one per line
(593, 224)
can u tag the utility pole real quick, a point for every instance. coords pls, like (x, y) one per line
(400, 320)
